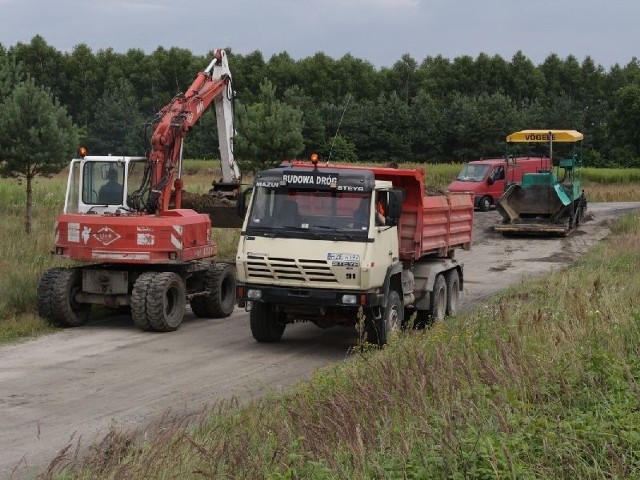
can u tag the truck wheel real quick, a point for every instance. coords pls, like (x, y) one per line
(220, 280)
(139, 300)
(453, 292)
(379, 329)
(158, 301)
(264, 324)
(55, 298)
(484, 204)
(438, 299)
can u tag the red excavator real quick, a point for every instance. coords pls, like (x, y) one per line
(124, 225)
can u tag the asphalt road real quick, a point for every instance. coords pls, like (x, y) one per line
(77, 383)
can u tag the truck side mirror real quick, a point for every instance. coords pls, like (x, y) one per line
(243, 202)
(394, 206)
(490, 181)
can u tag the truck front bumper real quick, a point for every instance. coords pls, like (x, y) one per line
(310, 297)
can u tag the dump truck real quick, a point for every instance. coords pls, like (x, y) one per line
(349, 245)
(548, 202)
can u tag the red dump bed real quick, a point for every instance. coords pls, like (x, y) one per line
(430, 225)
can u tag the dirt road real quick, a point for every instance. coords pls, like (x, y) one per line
(79, 382)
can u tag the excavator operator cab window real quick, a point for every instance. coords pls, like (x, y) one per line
(103, 183)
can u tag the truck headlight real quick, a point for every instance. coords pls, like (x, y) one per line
(253, 294)
(349, 299)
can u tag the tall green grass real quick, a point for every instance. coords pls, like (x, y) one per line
(24, 257)
(543, 381)
(611, 175)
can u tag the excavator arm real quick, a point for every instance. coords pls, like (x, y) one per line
(177, 118)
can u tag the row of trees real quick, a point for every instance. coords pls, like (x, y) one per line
(434, 111)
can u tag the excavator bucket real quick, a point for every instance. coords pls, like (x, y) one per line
(223, 211)
(224, 216)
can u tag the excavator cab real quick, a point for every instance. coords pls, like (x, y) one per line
(103, 184)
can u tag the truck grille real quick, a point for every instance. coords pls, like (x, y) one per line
(297, 270)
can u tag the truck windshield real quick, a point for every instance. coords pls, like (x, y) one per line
(472, 173)
(322, 212)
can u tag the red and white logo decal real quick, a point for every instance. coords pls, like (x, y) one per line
(106, 236)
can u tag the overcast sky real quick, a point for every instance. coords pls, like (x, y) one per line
(379, 31)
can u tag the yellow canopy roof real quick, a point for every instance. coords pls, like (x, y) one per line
(545, 136)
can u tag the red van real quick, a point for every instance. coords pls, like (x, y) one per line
(488, 179)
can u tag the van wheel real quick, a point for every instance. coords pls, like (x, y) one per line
(484, 204)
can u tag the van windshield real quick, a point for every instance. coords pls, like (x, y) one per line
(472, 173)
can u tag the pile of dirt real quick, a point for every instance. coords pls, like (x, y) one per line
(202, 202)
(221, 208)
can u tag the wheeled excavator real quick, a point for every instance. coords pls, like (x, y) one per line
(138, 248)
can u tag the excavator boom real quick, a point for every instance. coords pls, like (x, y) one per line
(178, 117)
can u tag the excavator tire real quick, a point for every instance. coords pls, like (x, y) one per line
(158, 301)
(139, 300)
(44, 290)
(265, 326)
(166, 300)
(220, 280)
(55, 298)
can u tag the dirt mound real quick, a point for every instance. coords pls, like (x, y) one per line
(203, 202)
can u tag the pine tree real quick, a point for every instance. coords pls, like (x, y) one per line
(37, 137)
(269, 131)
